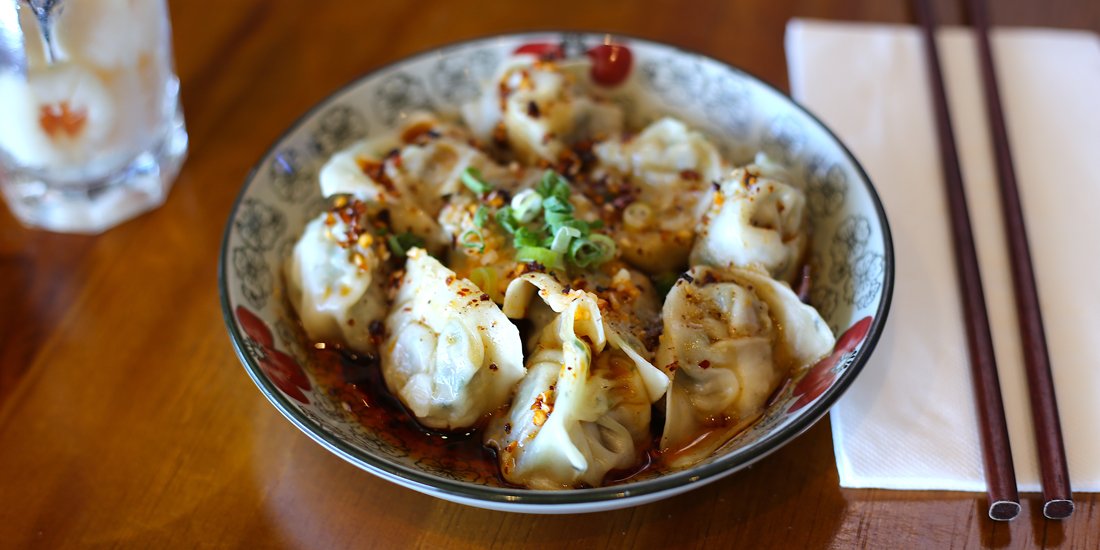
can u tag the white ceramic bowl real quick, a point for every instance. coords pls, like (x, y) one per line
(851, 254)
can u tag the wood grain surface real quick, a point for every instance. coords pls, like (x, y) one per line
(126, 419)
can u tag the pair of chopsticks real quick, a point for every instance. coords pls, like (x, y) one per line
(1004, 501)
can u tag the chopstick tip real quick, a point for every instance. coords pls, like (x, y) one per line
(1004, 510)
(1058, 509)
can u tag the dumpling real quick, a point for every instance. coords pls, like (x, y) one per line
(630, 306)
(582, 411)
(668, 170)
(730, 338)
(555, 298)
(538, 108)
(757, 221)
(482, 252)
(449, 355)
(336, 279)
(411, 176)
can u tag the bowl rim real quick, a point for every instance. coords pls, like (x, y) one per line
(528, 499)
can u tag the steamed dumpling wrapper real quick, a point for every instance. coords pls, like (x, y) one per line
(754, 220)
(539, 108)
(556, 298)
(670, 169)
(412, 175)
(449, 355)
(629, 303)
(336, 280)
(574, 418)
(730, 338)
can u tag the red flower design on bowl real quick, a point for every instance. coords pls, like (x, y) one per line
(823, 374)
(280, 368)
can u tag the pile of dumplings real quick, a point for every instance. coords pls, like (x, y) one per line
(534, 270)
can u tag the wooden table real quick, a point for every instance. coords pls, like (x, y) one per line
(126, 419)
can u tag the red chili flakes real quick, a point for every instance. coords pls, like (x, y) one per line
(450, 279)
(704, 364)
(493, 366)
(484, 297)
(533, 109)
(543, 407)
(690, 175)
(377, 171)
(671, 367)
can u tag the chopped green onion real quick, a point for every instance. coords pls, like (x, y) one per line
(401, 244)
(527, 205)
(557, 204)
(471, 178)
(555, 218)
(472, 238)
(583, 252)
(553, 185)
(544, 256)
(526, 237)
(481, 215)
(594, 250)
(562, 236)
(606, 244)
(507, 220)
(584, 227)
(546, 186)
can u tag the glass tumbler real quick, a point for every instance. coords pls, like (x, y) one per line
(91, 132)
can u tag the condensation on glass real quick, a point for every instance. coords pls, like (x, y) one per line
(91, 133)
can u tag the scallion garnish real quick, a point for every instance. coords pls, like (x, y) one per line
(401, 244)
(553, 185)
(562, 237)
(556, 240)
(471, 178)
(507, 220)
(481, 215)
(544, 256)
(527, 205)
(525, 237)
(473, 239)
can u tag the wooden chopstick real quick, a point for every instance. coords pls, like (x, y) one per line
(1057, 497)
(1000, 476)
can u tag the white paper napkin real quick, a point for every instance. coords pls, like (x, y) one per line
(909, 421)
